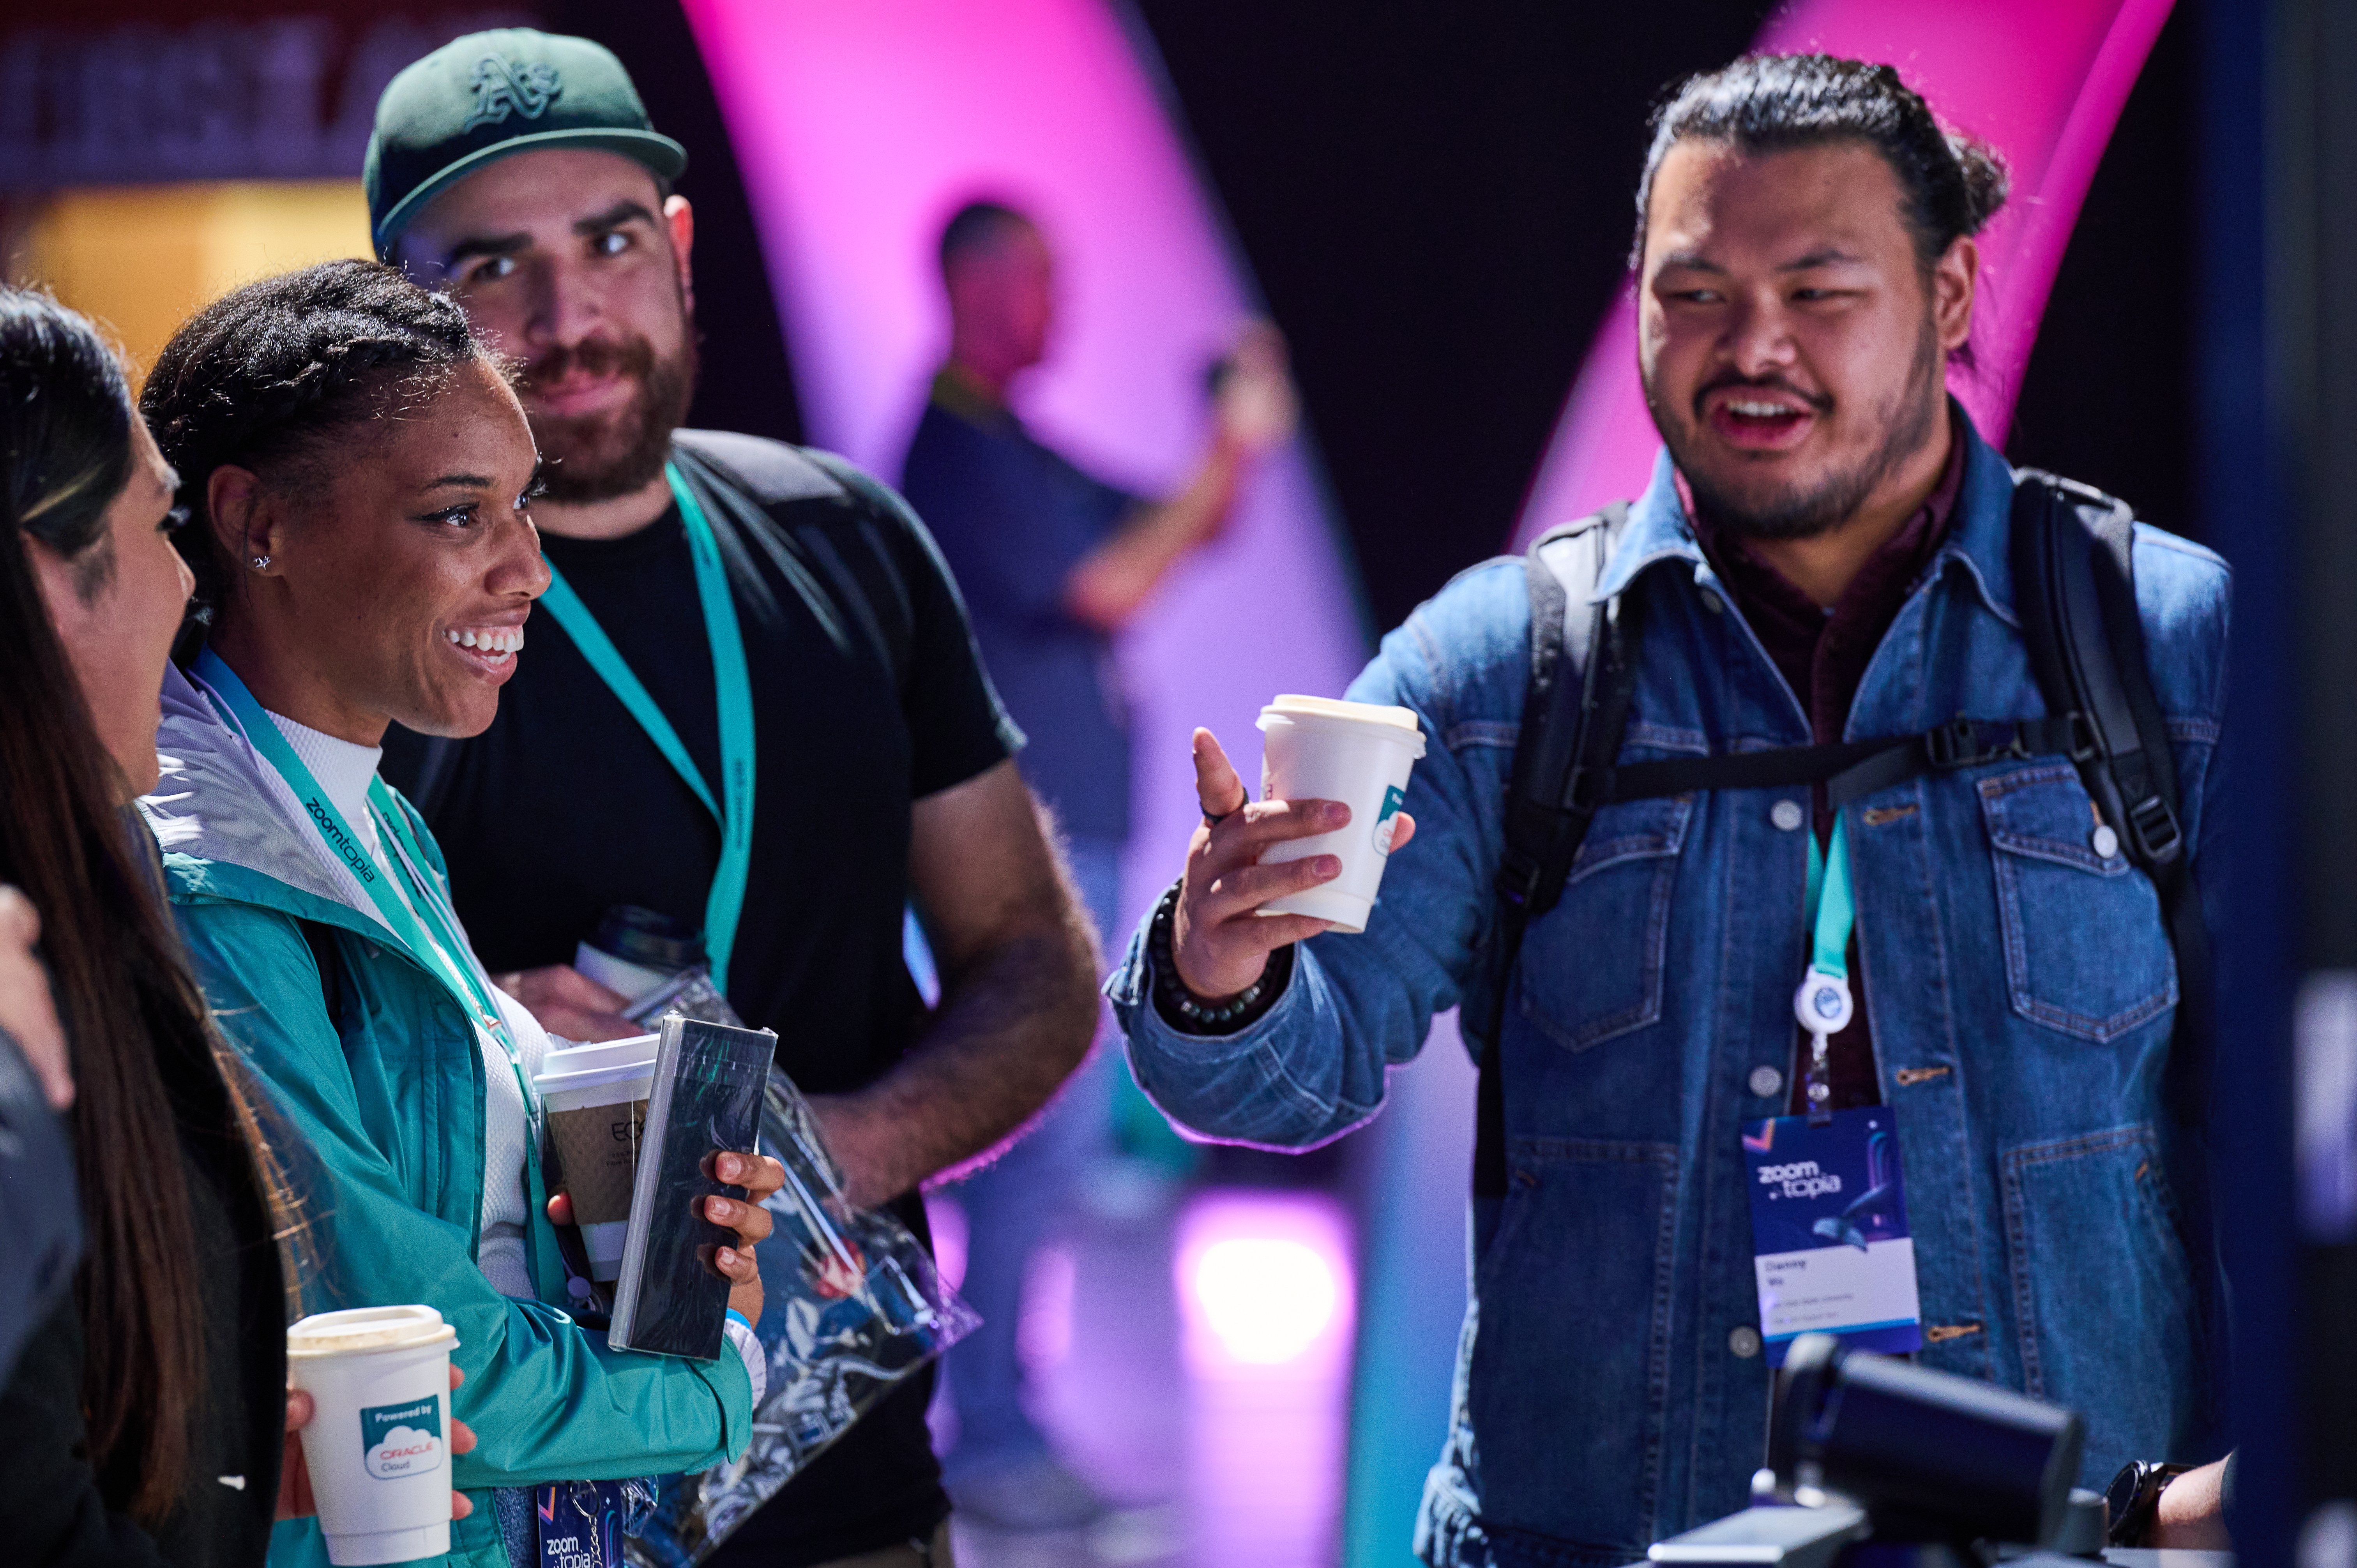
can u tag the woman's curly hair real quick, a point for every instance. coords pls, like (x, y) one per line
(264, 377)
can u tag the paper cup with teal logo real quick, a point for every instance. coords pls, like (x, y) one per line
(1360, 754)
(378, 1446)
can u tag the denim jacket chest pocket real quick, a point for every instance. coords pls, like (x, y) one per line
(2078, 925)
(1593, 970)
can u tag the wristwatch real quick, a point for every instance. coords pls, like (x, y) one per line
(2133, 1499)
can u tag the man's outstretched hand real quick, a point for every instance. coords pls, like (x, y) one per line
(1219, 941)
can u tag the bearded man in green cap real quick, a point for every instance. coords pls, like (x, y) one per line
(777, 771)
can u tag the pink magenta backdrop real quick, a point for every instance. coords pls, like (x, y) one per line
(2041, 80)
(860, 126)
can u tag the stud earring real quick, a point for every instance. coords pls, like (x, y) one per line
(261, 561)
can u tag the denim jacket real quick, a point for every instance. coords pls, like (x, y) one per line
(2021, 986)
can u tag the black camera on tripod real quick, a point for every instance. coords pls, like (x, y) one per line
(1873, 1461)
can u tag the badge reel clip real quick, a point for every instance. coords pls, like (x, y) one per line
(1824, 1006)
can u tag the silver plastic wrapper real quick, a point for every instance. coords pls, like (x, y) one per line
(852, 1305)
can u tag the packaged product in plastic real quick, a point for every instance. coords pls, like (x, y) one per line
(852, 1305)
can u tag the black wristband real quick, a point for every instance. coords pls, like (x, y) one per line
(1181, 1009)
(2133, 1499)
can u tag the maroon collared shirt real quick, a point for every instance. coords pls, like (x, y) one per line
(1823, 655)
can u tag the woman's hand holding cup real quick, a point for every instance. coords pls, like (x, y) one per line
(1219, 940)
(295, 1499)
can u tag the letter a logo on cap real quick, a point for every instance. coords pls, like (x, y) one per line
(503, 87)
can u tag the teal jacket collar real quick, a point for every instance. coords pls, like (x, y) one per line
(229, 827)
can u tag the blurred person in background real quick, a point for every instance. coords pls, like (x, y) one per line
(1824, 554)
(1053, 562)
(814, 683)
(358, 475)
(144, 1421)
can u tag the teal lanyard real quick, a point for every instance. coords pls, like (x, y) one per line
(1837, 909)
(423, 924)
(1823, 1004)
(733, 685)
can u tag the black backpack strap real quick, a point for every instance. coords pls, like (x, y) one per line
(2074, 584)
(1573, 714)
(1561, 571)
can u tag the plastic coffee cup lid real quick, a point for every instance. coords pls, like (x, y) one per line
(1292, 706)
(364, 1328)
(618, 1058)
(1396, 725)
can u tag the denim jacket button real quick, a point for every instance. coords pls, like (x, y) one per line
(1785, 814)
(1713, 603)
(1744, 1341)
(2103, 842)
(1765, 1080)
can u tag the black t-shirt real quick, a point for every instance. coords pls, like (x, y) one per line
(867, 696)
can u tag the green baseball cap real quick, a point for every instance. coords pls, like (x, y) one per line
(477, 98)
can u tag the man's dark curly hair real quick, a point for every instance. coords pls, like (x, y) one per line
(1950, 184)
(266, 377)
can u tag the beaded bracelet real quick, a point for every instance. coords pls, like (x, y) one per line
(1180, 1007)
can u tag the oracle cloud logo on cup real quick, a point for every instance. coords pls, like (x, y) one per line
(1360, 754)
(378, 1444)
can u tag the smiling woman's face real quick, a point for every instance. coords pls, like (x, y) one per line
(402, 566)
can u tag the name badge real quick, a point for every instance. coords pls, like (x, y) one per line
(580, 1524)
(1829, 1243)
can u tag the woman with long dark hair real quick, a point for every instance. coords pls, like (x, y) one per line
(144, 1420)
(360, 476)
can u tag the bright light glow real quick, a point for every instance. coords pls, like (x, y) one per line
(1267, 1300)
(1265, 1283)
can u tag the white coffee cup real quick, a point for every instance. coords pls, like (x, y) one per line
(378, 1445)
(595, 1097)
(1358, 753)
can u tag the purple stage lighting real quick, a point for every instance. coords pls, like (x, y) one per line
(1264, 1285)
(859, 128)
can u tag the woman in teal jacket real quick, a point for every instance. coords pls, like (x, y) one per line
(357, 471)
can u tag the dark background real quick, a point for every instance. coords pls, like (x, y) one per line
(1435, 201)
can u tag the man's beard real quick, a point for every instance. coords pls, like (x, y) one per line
(597, 456)
(1907, 423)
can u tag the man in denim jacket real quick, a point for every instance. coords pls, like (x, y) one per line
(1822, 555)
